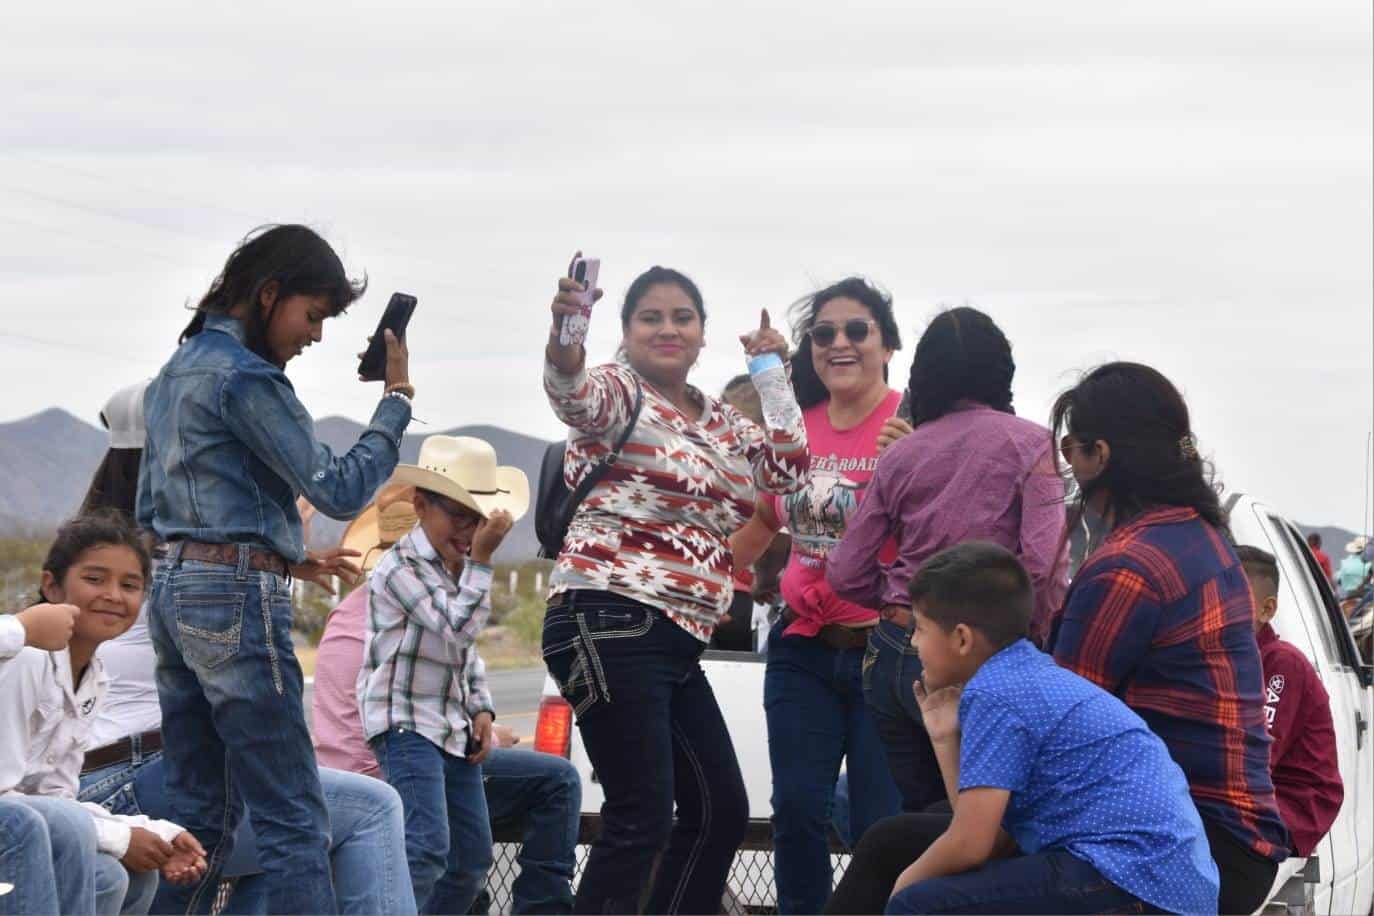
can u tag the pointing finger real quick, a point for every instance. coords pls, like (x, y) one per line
(763, 320)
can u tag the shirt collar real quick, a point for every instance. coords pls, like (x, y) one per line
(91, 684)
(1266, 635)
(419, 541)
(1017, 653)
(216, 321)
(1167, 515)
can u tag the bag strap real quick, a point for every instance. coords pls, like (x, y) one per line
(603, 467)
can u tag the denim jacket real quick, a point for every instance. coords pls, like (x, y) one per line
(230, 447)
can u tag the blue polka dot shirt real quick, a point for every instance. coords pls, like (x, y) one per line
(1086, 775)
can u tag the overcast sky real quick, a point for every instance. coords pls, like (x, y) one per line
(1179, 182)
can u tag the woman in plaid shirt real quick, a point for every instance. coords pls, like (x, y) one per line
(643, 578)
(1161, 615)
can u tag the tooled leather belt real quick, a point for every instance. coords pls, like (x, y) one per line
(259, 558)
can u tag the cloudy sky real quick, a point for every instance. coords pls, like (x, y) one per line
(1181, 182)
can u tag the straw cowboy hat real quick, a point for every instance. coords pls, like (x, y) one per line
(1357, 546)
(381, 524)
(464, 469)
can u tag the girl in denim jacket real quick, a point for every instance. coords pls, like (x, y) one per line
(229, 450)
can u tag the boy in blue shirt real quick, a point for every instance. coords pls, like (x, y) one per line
(1064, 801)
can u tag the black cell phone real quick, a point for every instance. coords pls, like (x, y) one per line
(904, 408)
(372, 367)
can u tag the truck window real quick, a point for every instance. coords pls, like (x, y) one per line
(1337, 643)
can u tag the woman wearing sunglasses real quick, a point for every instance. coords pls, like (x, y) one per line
(1167, 567)
(642, 579)
(971, 470)
(813, 689)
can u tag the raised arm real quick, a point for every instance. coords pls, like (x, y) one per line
(777, 451)
(262, 410)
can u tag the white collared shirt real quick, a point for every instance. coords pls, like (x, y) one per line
(45, 721)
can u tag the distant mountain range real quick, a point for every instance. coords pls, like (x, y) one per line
(47, 460)
(46, 463)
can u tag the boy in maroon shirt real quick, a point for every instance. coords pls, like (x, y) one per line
(1302, 759)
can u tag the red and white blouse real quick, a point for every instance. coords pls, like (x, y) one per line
(656, 529)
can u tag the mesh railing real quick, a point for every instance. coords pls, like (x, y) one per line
(749, 890)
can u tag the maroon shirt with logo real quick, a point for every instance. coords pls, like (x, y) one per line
(1302, 759)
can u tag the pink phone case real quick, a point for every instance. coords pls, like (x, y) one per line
(574, 328)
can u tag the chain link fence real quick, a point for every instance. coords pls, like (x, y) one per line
(750, 888)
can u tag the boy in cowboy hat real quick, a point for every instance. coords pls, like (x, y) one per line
(538, 795)
(422, 690)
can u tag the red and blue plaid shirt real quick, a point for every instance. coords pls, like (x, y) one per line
(1161, 615)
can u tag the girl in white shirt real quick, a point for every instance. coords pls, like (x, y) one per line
(48, 701)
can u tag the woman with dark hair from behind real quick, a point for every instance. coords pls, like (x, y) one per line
(971, 470)
(1161, 614)
(229, 450)
(813, 685)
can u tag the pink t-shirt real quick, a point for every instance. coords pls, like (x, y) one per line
(842, 461)
(338, 726)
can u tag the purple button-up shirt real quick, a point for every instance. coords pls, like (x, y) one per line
(975, 474)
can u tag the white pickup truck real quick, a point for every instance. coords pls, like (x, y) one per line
(1339, 881)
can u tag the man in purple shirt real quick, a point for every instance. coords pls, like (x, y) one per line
(970, 470)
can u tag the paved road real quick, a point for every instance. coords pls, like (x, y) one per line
(516, 692)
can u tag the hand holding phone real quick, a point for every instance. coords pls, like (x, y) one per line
(372, 366)
(573, 329)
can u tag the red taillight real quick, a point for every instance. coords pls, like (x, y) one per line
(553, 730)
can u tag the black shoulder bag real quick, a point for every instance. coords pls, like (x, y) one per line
(555, 506)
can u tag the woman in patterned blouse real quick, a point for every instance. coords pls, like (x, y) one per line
(642, 580)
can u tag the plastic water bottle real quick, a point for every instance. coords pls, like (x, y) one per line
(780, 410)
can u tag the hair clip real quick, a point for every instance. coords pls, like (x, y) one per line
(1187, 446)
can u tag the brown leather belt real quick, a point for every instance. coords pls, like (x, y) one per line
(898, 614)
(834, 635)
(122, 751)
(259, 558)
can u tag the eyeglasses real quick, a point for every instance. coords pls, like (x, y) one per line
(459, 514)
(856, 330)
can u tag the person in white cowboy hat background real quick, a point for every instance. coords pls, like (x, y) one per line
(1355, 571)
(422, 690)
(539, 795)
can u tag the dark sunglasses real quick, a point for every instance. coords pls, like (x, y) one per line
(856, 330)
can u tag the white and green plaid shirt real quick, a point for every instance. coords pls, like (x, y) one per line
(421, 670)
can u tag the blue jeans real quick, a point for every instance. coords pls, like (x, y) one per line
(890, 672)
(814, 703)
(118, 890)
(448, 833)
(541, 795)
(47, 852)
(655, 735)
(86, 881)
(234, 728)
(27, 883)
(367, 832)
(1051, 881)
